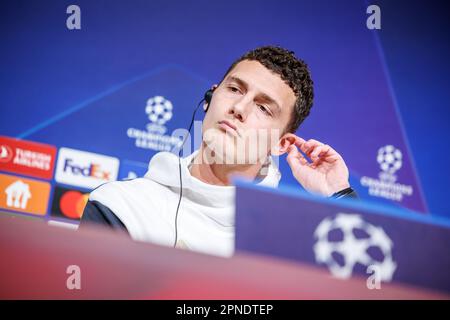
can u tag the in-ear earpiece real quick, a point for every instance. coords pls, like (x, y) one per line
(208, 98)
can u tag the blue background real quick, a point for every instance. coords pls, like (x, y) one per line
(415, 37)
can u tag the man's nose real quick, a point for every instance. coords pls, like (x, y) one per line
(241, 108)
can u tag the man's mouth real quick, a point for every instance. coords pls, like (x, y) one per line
(228, 127)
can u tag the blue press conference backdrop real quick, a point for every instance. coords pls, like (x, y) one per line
(88, 89)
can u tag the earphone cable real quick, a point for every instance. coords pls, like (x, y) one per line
(179, 168)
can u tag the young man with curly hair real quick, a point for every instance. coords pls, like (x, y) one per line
(252, 115)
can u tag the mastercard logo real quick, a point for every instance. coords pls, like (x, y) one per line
(72, 204)
(69, 203)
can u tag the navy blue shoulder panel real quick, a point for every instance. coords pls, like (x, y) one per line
(97, 213)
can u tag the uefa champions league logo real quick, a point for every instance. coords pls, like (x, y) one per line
(359, 242)
(390, 161)
(159, 111)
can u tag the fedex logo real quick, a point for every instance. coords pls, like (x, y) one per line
(85, 169)
(93, 170)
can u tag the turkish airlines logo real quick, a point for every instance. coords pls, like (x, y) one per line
(27, 157)
(85, 169)
(6, 153)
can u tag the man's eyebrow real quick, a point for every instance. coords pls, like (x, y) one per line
(269, 100)
(239, 81)
(264, 96)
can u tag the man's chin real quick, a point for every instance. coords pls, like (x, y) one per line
(230, 154)
(221, 147)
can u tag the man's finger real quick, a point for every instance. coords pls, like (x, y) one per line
(330, 156)
(302, 144)
(310, 145)
(299, 141)
(319, 151)
(313, 142)
(295, 158)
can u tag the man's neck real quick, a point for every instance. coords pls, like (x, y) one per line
(220, 174)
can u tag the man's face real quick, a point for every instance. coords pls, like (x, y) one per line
(258, 103)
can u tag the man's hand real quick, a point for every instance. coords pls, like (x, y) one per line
(327, 172)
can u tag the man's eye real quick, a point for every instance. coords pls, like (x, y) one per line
(234, 89)
(264, 109)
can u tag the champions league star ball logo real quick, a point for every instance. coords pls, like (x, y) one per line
(390, 159)
(159, 110)
(355, 242)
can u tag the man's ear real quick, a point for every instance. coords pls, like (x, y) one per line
(205, 105)
(283, 145)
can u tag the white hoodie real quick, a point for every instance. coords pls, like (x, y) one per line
(147, 206)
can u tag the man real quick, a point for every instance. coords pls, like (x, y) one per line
(251, 116)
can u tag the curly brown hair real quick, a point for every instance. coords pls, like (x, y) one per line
(294, 73)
